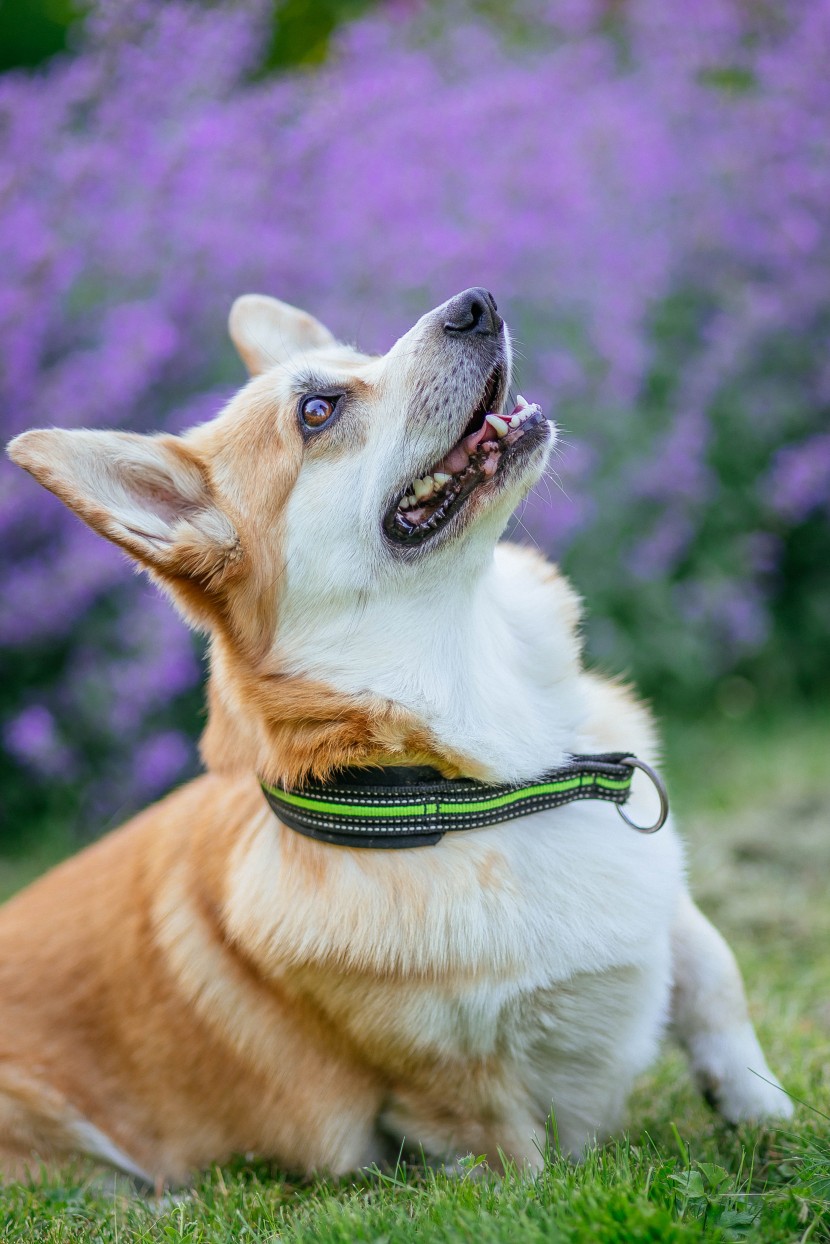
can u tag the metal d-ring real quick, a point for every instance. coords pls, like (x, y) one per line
(659, 786)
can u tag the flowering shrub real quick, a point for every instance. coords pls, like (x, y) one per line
(646, 188)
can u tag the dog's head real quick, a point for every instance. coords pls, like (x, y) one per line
(329, 476)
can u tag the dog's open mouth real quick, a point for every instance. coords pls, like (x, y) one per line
(429, 502)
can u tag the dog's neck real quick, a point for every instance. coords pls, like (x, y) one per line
(480, 673)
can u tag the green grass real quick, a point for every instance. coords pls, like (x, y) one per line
(754, 801)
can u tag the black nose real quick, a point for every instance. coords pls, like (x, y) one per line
(474, 311)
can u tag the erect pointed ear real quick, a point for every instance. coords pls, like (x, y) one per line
(266, 331)
(149, 494)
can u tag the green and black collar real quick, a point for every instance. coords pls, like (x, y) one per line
(400, 806)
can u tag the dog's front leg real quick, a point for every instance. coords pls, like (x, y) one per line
(711, 1021)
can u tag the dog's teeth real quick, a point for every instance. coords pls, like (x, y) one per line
(522, 401)
(441, 479)
(516, 421)
(403, 504)
(423, 488)
(412, 499)
(497, 424)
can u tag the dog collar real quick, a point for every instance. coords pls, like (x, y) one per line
(400, 806)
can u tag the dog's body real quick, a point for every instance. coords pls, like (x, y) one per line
(206, 981)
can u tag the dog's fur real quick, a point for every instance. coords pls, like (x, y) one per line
(206, 981)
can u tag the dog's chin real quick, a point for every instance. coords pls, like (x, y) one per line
(498, 457)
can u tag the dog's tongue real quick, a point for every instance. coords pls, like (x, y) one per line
(460, 454)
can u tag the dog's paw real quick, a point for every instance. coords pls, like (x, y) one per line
(733, 1076)
(746, 1098)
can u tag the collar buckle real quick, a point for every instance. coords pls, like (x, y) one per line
(659, 785)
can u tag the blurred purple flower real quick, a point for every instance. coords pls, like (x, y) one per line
(730, 616)
(657, 554)
(159, 761)
(799, 481)
(32, 738)
(676, 470)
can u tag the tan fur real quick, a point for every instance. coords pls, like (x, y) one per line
(173, 1003)
(288, 728)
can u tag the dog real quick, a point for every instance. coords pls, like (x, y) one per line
(208, 980)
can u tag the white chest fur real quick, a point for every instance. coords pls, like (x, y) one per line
(537, 950)
(489, 661)
(537, 899)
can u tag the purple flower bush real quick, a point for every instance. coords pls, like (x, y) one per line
(645, 188)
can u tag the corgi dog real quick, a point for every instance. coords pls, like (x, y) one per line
(208, 980)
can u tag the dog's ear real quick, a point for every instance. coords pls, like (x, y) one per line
(148, 494)
(266, 331)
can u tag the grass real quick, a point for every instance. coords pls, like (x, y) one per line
(754, 801)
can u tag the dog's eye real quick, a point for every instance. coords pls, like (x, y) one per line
(315, 411)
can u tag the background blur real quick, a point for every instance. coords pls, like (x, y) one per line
(646, 189)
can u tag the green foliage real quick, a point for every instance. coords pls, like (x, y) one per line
(33, 30)
(302, 29)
